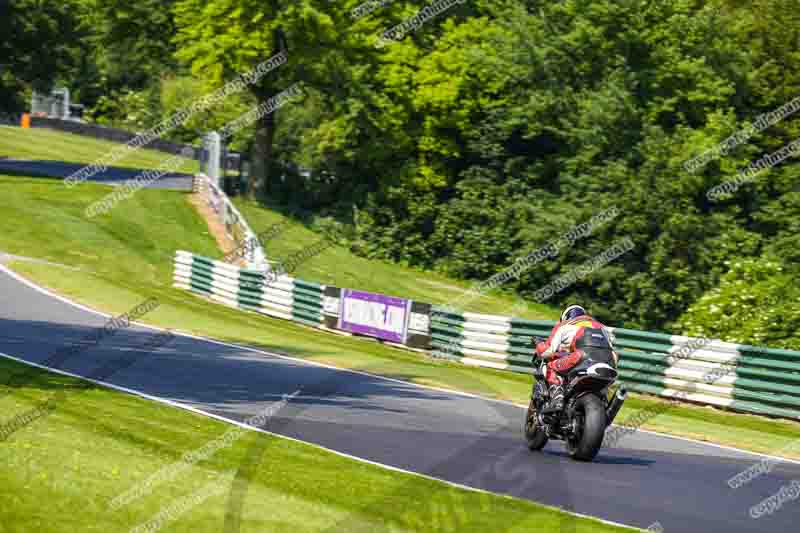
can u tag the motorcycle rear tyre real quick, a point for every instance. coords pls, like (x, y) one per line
(591, 415)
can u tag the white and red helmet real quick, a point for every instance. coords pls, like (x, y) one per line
(573, 311)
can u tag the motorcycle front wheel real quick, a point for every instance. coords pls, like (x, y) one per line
(589, 427)
(534, 433)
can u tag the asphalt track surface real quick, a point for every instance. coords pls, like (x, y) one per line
(462, 439)
(110, 176)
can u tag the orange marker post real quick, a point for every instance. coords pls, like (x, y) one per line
(25, 123)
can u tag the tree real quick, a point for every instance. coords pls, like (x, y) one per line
(228, 37)
(133, 41)
(483, 137)
(36, 46)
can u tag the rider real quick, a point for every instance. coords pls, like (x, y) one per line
(563, 350)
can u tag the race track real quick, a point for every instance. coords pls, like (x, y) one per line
(467, 440)
(110, 176)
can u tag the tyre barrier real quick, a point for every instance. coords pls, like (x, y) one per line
(740, 377)
(281, 297)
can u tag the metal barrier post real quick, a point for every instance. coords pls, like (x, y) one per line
(214, 156)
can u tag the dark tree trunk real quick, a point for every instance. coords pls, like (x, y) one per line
(262, 158)
(263, 166)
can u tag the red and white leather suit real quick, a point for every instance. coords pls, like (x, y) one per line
(559, 352)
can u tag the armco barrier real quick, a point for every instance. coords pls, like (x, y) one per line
(109, 134)
(710, 372)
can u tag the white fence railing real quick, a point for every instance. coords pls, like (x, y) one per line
(236, 226)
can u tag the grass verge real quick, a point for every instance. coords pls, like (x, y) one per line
(64, 473)
(340, 267)
(52, 145)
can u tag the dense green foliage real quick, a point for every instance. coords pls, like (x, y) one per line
(755, 303)
(497, 127)
(494, 127)
(33, 51)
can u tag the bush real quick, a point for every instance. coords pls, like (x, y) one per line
(755, 303)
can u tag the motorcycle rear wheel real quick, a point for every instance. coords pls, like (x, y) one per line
(534, 433)
(590, 424)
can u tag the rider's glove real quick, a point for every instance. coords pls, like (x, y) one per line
(541, 347)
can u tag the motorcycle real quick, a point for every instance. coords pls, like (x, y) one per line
(589, 406)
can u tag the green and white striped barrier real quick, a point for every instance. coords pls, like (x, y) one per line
(711, 372)
(490, 341)
(282, 297)
(737, 376)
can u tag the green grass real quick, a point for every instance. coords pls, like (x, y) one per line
(339, 267)
(51, 145)
(126, 256)
(62, 472)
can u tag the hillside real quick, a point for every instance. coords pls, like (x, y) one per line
(42, 144)
(115, 261)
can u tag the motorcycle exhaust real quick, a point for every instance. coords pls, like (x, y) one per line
(616, 404)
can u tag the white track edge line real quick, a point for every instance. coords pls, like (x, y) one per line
(63, 299)
(252, 349)
(195, 410)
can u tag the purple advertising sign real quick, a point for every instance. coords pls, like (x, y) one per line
(375, 315)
